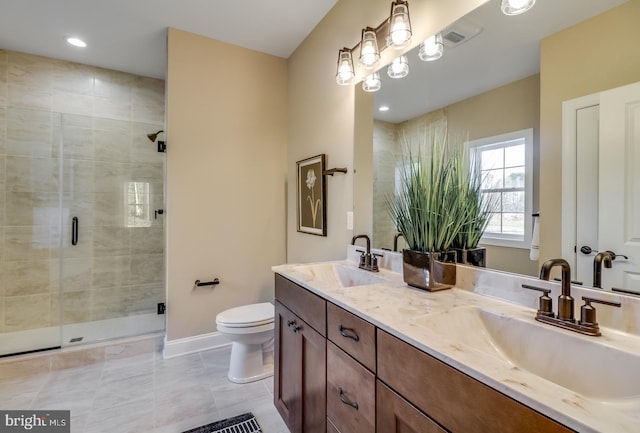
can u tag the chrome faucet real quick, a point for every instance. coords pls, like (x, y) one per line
(368, 261)
(565, 301)
(395, 241)
(602, 258)
(565, 319)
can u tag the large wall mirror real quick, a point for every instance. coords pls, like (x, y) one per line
(487, 83)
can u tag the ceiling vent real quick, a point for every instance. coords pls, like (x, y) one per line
(460, 32)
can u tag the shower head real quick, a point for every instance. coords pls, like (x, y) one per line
(154, 136)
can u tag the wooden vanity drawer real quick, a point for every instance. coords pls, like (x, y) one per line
(349, 384)
(454, 400)
(352, 334)
(307, 306)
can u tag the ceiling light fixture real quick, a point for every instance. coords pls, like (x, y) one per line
(398, 68)
(399, 24)
(394, 31)
(383, 108)
(76, 42)
(372, 83)
(516, 7)
(369, 53)
(432, 48)
(345, 74)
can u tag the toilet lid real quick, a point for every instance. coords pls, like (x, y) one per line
(247, 315)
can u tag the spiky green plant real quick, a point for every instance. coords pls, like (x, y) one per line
(429, 208)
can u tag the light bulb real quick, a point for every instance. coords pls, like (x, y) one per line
(345, 73)
(372, 83)
(516, 7)
(369, 54)
(432, 48)
(400, 25)
(398, 68)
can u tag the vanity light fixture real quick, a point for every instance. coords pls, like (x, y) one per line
(372, 83)
(369, 53)
(399, 24)
(516, 7)
(76, 42)
(345, 74)
(432, 48)
(398, 68)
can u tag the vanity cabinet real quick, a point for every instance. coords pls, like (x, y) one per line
(300, 358)
(454, 400)
(337, 373)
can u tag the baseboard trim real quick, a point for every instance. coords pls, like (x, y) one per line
(197, 343)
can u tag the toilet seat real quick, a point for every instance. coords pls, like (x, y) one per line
(247, 316)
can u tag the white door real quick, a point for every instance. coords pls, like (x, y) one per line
(587, 120)
(619, 195)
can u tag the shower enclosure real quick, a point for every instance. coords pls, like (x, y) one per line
(82, 241)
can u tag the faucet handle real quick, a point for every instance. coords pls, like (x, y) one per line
(588, 311)
(545, 303)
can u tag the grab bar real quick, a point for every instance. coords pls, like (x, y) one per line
(207, 283)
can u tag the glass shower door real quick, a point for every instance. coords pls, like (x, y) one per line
(29, 231)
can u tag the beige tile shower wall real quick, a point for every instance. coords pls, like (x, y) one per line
(103, 117)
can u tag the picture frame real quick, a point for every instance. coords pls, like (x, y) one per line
(311, 209)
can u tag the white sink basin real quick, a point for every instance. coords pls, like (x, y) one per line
(588, 366)
(340, 275)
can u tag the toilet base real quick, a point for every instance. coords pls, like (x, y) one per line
(249, 362)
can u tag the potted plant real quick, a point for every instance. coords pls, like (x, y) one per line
(476, 213)
(428, 209)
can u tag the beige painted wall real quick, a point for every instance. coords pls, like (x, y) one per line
(598, 54)
(322, 115)
(227, 136)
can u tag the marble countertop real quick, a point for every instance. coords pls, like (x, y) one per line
(406, 313)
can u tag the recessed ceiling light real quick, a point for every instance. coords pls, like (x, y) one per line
(76, 42)
(383, 108)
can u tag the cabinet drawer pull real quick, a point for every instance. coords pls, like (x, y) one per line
(296, 328)
(352, 335)
(290, 323)
(343, 399)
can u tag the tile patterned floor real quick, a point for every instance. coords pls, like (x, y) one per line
(139, 393)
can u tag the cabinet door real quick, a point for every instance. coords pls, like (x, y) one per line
(299, 374)
(287, 373)
(395, 415)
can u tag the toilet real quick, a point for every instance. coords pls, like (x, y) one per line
(250, 328)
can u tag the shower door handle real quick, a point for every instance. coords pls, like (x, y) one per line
(74, 231)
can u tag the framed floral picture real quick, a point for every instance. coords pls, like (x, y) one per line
(311, 196)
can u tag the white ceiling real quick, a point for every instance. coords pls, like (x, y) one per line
(507, 49)
(130, 35)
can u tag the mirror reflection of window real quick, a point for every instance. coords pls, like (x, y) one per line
(504, 164)
(137, 204)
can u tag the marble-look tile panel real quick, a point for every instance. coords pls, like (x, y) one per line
(30, 208)
(3, 125)
(73, 78)
(147, 268)
(27, 174)
(186, 400)
(113, 143)
(25, 243)
(152, 173)
(75, 307)
(4, 69)
(110, 271)
(138, 417)
(29, 97)
(147, 240)
(72, 103)
(26, 277)
(70, 389)
(27, 312)
(172, 372)
(112, 109)
(148, 100)
(111, 176)
(111, 241)
(132, 351)
(78, 143)
(113, 85)
(29, 70)
(108, 208)
(84, 247)
(76, 274)
(116, 392)
(109, 303)
(77, 358)
(144, 298)
(29, 132)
